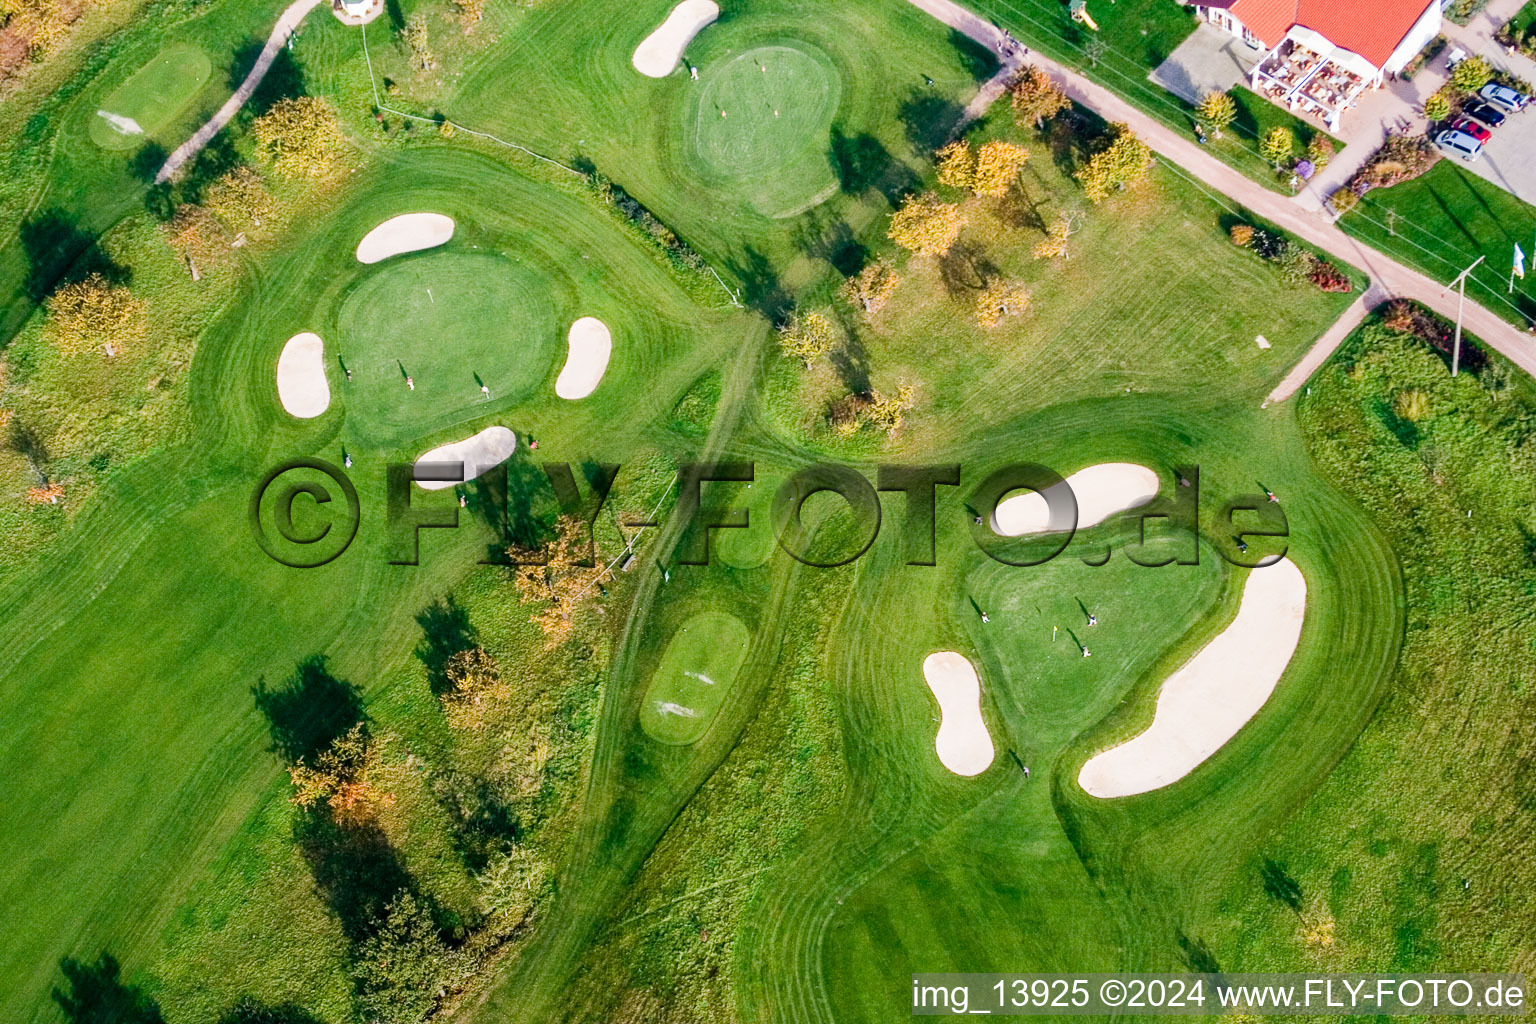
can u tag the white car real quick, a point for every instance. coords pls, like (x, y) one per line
(1503, 97)
(1459, 144)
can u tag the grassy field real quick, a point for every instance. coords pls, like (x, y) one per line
(795, 846)
(1442, 221)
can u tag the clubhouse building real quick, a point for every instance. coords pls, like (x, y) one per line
(1321, 55)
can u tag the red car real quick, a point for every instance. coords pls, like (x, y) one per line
(1472, 128)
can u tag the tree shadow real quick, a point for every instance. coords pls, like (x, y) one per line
(252, 1011)
(850, 360)
(862, 163)
(1069, 144)
(310, 712)
(97, 994)
(485, 822)
(966, 268)
(930, 120)
(60, 252)
(146, 163)
(215, 160)
(1279, 885)
(823, 238)
(761, 289)
(395, 14)
(445, 631)
(1019, 209)
(979, 61)
(355, 868)
(1197, 955)
(284, 80)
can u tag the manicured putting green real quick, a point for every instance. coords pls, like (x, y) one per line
(449, 321)
(695, 674)
(778, 102)
(148, 101)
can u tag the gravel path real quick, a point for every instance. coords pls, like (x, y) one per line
(285, 27)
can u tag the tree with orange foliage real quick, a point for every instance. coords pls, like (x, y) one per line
(999, 300)
(560, 582)
(871, 288)
(925, 225)
(1036, 98)
(344, 777)
(997, 167)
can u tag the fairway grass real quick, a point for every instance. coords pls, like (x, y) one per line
(761, 124)
(152, 97)
(447, 320)
(694, 678)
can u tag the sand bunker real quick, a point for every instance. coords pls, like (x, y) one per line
(1214, 694)
(301, 383)
(120, 124)
(479, 454)
(1101, 491)
(587, 361)
(409, 232)
(660, 51)
(963, 744)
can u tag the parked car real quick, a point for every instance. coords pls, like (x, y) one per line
(1472, 128)
(1487, 113)
(1460, 144)
(1503, 97)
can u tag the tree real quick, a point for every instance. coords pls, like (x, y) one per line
(1277, 145)
(413, 36)
(470, 12)
(1121, 164)
(1000, 299)
(957, 165)
(1319, 150)
(807, 336)
(403, 966)
(302, 136)
(345, 777)
(557, 577)
(195, 233)
(926, 225)
(1054, 244)
(871, 288)
(1036, 98)
(1094, 50)
(889, 411)
(1437, 106)
(95, 312)
(240, 199)
(475, 685)
(997, 167)
(1472, 74)
(1215, 112)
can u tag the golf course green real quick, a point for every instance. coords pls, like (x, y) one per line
(136, 110)
(694, 678)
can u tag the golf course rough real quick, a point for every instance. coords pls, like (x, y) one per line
(479, 454)
(963, 744)
(1204, 704)
(693, 678)
(1101, 491)
(301, 384)
(151, 98)
(409, 232)
(589, 346)
(659, 52)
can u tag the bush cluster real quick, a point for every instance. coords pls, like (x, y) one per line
(632, 210)
(1295, 262)
(1401, 158)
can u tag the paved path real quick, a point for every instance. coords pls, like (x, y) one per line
(1389, 278)
(286, 24)
(1325, 346)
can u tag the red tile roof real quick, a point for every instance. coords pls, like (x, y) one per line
(1371, 28)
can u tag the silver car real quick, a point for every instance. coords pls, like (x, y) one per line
(1503, 97)
(1460, 144)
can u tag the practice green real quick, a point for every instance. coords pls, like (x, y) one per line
(696, 672)
(155, 94)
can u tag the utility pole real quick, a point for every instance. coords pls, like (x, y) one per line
(1461, 280)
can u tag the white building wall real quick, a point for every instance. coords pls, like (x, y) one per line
(1418, 37)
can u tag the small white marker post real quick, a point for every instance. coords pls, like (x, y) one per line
(1461, 280)
(429, 295)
